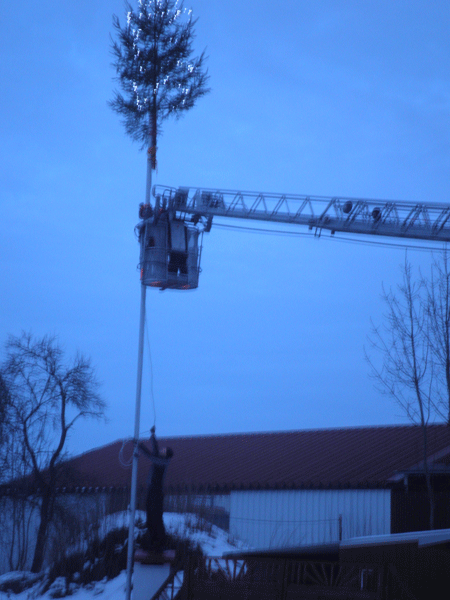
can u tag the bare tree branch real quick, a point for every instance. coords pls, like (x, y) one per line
(43, 387)
(413, 350)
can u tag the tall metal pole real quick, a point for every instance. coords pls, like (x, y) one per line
(137, 414)
(149, 177)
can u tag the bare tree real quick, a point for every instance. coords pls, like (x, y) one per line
(4, 401)
(408, 371)
(18, 507)
(48, 396)
(437, 300)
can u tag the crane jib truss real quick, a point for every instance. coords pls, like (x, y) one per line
(421, 221)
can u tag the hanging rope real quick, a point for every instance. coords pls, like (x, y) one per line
(126, 464)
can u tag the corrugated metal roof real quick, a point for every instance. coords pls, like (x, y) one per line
(348, 457)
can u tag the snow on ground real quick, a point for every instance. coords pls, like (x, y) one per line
(212, 540)
(98, 590)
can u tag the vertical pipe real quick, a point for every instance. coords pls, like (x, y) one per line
(135, 442)
(137, 414)
(149, 178)
(151, 159)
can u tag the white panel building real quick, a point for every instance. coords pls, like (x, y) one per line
(280, 518)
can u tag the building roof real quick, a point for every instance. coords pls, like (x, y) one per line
(421, 538)
(319, 458)
(316, 552)
(330, 551)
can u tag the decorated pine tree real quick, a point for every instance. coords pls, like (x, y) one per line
(159, 78)
(155, 68)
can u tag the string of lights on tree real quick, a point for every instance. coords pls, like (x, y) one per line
(155, 68)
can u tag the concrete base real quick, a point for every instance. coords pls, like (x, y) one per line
(147, 579)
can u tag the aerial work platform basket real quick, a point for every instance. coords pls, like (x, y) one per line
(169, 252)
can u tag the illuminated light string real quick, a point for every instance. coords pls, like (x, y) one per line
(136, 31)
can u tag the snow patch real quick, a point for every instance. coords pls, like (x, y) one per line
(212, 540)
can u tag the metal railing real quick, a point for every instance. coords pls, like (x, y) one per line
(282, 579)
(171, 586)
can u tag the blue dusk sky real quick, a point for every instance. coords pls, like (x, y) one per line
(342, 97)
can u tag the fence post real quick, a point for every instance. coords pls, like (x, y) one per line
(284, 581)
(188, 572)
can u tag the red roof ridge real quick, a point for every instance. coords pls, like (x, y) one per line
(268, 433)
(323, 457)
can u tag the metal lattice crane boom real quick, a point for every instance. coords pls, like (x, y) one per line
(169, 231)
(422, 221)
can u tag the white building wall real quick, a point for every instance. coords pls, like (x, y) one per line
(181, 502)
(222, 501)
(271, 519)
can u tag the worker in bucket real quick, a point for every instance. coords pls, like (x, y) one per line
(155, 538)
